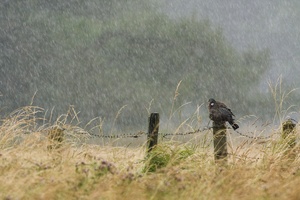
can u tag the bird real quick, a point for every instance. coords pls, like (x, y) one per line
(220, 113)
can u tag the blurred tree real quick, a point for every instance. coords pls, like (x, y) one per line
(101, 55)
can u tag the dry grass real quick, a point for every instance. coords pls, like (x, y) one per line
(28, 170)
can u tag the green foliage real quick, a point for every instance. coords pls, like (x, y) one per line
(166, 155)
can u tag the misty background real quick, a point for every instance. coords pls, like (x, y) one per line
(109, 58)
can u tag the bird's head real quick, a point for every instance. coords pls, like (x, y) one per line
(211, 102)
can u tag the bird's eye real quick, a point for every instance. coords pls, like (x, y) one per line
(211, 104)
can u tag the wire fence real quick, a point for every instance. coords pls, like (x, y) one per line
(220, 132)
(116, 136)
(197, 131)
(145, 133)
(166, 134)
(138, 134)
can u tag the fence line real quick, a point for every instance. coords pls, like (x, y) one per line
(219, 136)
(166, 134)
(141, 133)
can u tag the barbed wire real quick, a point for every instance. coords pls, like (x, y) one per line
(127, 135)
(116, 136)
(253, 137)
(164, 135)
(141, 133)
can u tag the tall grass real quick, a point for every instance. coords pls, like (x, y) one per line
(280, 98)
(79, 170)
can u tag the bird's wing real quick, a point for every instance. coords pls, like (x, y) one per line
(226, 114)
(222, 105)
(230, 112)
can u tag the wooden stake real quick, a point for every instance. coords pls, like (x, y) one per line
(153, 131)
(220, 143)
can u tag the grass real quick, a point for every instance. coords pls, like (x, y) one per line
(79, 170)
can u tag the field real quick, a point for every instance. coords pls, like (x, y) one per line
(29, 169)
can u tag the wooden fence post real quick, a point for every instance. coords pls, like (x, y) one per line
(153, 130)
(288, 133)
(55, 137)
(220, 143)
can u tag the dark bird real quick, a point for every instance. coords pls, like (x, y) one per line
(219, 113)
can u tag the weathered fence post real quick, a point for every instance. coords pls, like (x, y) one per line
(288, 133)
(55, 137)
(220, 143)
(153, 130)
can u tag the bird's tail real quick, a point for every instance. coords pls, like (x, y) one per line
(234, 126)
